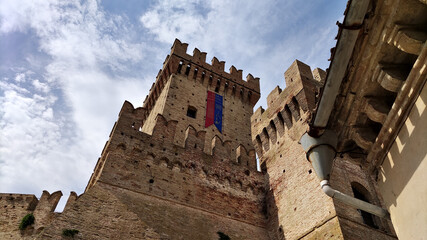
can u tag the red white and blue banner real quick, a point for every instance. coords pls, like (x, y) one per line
(214, 110)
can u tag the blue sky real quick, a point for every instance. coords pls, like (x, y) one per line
(66, 67)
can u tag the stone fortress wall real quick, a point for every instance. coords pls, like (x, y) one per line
(163, 175)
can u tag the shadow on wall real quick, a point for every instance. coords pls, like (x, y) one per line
(408, 150)
(271, 212)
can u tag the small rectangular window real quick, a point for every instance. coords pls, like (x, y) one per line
(191, 112)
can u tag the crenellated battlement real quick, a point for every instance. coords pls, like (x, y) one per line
(46, 204)
(16, 206)
(154, 165)
(194, 67)
(287, 108)
(126, 137)
(198, 59)
(18, 201)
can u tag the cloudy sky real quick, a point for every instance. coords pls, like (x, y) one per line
(66, 67)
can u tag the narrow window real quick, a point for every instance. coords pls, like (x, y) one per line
(195, 73)
(191, 112)
(180, 66)
(218, 83)
(203, 76)
(187, 71)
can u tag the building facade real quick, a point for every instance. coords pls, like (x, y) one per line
(183, 166)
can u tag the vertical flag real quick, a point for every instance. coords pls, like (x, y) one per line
(214, 110)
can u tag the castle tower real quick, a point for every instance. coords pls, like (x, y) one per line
(181, 91)
(296, 206)
(180, 167)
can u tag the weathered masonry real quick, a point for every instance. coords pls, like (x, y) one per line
(183, 166)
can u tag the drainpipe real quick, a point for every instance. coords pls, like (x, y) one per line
(321, 146)
(350, 28)
(354, 202)
(321, 153)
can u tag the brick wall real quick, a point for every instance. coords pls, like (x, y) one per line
(296, 206)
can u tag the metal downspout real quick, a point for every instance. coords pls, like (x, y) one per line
(321, 154)
(354, 202)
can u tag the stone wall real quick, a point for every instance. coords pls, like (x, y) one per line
(223, 182)
(15, 206)
(297, 208)
(109, 212)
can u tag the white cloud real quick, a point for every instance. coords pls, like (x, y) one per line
(169, 19)
(31, 136)
(43, 87)
(57, 111)
(264, 37)
(20, 77)
(212, 26)
(54, 126)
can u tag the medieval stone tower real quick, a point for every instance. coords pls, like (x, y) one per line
(297, 207)
(183, 167)
(184, 178)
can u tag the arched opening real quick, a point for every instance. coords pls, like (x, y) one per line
(180, 66)
(225, 87)
(259, 143)
(195, 73)
(187, 70)
(361, 193)
(203, 76)
(218, 83)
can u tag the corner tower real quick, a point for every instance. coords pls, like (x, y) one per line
(296, 206)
